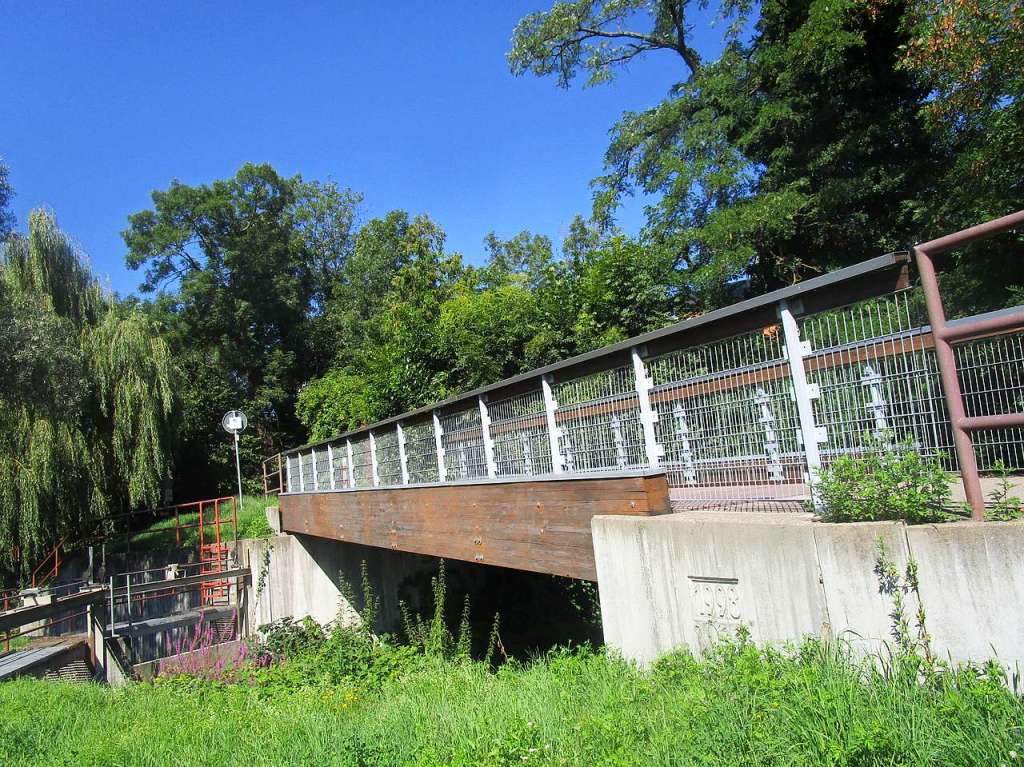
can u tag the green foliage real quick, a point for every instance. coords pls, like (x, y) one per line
(414, 325)
(821, 133)
(7, 219)
(885, 482)
(967, 56)
(243, 269)
(913, 644)
(593, 36)
(432, 636)
(287, 637)
(87, 393)
(1003, 505)
(161, 536)
(739, 704)
(335, 403)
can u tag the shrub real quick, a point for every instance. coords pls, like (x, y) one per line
(1002, 505)
(886, 483)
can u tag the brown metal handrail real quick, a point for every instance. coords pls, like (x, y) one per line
(946, 335)
(268, 476)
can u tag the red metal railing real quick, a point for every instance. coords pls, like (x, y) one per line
(946, 335)
(49, 567)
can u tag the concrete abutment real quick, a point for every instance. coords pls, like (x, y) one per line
(684, 579)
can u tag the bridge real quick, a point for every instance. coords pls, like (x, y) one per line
(733, 410)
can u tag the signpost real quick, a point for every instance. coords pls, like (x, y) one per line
(234, 422)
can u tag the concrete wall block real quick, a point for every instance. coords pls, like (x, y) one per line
(847, 554)
(637, 618)
(972, 586)
(304, 573)
(687, 579)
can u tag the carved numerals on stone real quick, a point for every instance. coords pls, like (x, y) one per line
(716, 608)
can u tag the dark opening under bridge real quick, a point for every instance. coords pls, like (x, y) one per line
(735, 410)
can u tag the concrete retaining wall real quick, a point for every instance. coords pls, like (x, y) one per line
(684, 579)
(299, 575)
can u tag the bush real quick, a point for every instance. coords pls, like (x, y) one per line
(886, 483)
(1003, 506)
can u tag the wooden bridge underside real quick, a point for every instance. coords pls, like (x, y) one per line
(539, 525)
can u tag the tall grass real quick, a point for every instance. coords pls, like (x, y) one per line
(740, 705)
(252, 523)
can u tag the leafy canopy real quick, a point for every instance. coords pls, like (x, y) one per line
(800, 146)
(242, 269)
(86, 397)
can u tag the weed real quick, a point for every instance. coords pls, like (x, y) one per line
(884, 483)
(1002, 505)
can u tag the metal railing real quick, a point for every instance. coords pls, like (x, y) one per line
(946, 335)
(741, 407)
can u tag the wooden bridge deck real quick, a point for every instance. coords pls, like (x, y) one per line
(540, 525)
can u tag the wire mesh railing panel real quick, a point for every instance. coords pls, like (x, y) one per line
(519, 431)
(323, 468)
(991, 372)
(339, 454)
(307, 471)
(877, 378)
(389, 459)
(421, 451)
(726, 416)
(463, 440)
(598, 421)
(728, 422)
(362, 462)
(719, 358)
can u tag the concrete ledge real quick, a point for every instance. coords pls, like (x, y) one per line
(686, 579)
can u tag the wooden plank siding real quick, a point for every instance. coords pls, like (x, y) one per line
(540, 525)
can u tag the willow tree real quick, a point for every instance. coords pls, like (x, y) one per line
(86, 397)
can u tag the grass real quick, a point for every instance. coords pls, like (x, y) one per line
(738, 706)
(252, 523)
(16, 643)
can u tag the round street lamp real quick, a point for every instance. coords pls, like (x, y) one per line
(234, 422)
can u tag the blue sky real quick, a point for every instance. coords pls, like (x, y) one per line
(410, 103)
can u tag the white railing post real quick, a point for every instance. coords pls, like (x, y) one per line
(316, 477)
(442, 470)
(872, 381)
(351, 465)
(302, 475)
(648, 417)
(485, 429)
(804, 392)
(373, 460)
(401, 453)
(771, 437)
(550, 406)
(330, 465)
(288, 470)
(524, 440)
(685, 448)
(619, 442)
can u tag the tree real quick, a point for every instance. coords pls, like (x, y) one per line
(790, 153)
(523, 258)
(967, 56)
(86, 397)
(242, 269)
(482, 334)
(7, 220)
(382, 316)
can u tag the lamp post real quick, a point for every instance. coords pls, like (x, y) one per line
(234, 422)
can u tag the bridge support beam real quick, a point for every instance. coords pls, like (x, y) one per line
(540, 525)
